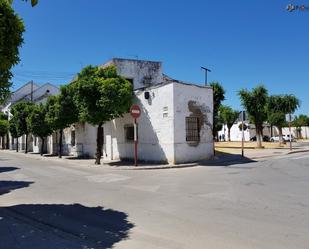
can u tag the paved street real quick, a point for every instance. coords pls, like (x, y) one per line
(54, 204)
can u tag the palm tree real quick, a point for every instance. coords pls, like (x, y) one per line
(229, 116)
(277, 107)
(255, 104)
(299, 122)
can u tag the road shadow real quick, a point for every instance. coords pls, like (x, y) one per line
(7, 169)
(7, 186)
(226, 159)
(69, 226)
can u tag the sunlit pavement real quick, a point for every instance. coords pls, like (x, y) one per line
(54, 204)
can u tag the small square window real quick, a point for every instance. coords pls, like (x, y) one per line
(129, 132)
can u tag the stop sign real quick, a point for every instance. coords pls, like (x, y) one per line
(135, 111)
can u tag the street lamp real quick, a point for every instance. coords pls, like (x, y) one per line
(206, 70)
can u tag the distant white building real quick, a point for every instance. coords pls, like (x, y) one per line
(175, 125)
(36, 94)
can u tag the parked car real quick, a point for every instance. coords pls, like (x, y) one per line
(265, 138)
(286, 138)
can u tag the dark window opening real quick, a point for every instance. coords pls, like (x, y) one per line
(35, 139)
(131, 81)
(73, 138)
(192, 129)
(129, 133)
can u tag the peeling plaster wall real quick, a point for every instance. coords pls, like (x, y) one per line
(190, 100)
(143, 73)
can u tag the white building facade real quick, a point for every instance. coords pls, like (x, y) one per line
(175, 125)
(36, 94)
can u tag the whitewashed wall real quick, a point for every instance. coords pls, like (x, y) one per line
(155, 131)
(187, 99)
(304, 131)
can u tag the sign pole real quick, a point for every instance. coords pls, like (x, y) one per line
(242, 134)
(290, 119)
(135, 142)
(135, 112)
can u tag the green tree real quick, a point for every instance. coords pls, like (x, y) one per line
(11, 30)
(218, 97)
(38, 125)
(61, 112)
(4, 127)
(298, 123)
(13, 130)
(229, 116)
(21, 111)
(255, 102)
(101, 95)
(277, 108)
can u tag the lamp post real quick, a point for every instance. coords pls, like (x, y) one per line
(206, 70)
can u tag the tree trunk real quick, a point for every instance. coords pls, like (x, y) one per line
(280, 136)
(17, 144)
(229, 134)
(7, 146)
(60, 143)
(42, 146)
(259, 136)
(26, 150)
(3, 143)
(99, 144)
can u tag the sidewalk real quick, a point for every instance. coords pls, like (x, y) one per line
(223, 157)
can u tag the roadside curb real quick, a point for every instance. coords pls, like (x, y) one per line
(283, 154)
(107, 164)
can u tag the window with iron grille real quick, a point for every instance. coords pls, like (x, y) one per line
(192, 129)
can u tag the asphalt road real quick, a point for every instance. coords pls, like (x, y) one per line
(46, 204)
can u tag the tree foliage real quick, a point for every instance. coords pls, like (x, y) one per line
(277, 107)
(218, 97)
(255, 102)
(61, 112)
(37, 123)
(11, 30)
(4, 127)
(100, 96)
(21, 112)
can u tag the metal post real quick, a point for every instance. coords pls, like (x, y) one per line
(290, 119)
(243, 134)
(135, 142)
(31, 90)
(206, 70)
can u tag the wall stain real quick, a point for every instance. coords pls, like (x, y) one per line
(201, 111)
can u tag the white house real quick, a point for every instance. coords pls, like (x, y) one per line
(37, 94)
(175, 125)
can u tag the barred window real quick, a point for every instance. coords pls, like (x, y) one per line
(192, 129)
(129, 132)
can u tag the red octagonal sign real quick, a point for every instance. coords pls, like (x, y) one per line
(135, 111)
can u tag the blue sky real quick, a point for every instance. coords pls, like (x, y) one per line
(244, 43)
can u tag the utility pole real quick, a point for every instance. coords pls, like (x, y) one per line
(206, 70)
(242, 133)
(31, 90)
